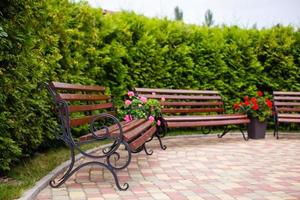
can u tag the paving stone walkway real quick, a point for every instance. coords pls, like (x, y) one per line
(197, 168)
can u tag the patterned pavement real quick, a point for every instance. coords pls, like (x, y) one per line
(194, 167)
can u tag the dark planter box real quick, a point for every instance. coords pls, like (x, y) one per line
(257, 129)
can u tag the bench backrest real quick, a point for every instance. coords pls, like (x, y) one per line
(84, 102)
(286, 102)
(185, 101)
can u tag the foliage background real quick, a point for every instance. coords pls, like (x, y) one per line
(71, 42)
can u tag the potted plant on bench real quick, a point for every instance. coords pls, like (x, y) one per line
(259, 109)
(142, 108)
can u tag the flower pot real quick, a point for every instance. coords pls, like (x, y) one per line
(257, 129)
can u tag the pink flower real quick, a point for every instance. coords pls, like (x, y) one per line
(143, 99)
(127, 102)
(127, 118)
(151, 119)
(130, 94)
(163, 99)
(153, 93)
(158, 123)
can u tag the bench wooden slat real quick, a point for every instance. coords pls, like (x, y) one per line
(101, 132)
(141, 140)
(289, 120)
(192, 103)
(83, 97)
(191, 110)
(284, 109)
(205, 117)
(284, 103)
(132, 125)
(129, 135)
(182, 97)
(81, 108)
(289, 115)
(85, 120)
(68, 86)
(174, 91)
(208, 123)
(286, 93)
(288, 98)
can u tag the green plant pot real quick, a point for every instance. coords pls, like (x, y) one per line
(257, 129)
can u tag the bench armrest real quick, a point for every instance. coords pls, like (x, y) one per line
(107, 133)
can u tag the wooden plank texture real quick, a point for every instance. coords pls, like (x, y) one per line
(83, 97)
(133, 133)
(191, 110)
(182, 97)
(68, 86)
(205, 117)
(81, 108)
(192, 103)
(275, 93)
(207, 123)
(174, 91)
(143, 138)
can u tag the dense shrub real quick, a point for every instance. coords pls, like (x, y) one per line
(72, 42)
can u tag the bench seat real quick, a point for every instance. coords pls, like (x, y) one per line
(135, 132)
(208, 120)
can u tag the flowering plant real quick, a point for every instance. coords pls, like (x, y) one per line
(141, 108)
(257, 107)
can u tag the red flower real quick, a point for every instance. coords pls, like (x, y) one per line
(255, 106)
(269, 103)
(253, 100)
(247, 103)
(236, 106)
(246, 98)
(260, 93)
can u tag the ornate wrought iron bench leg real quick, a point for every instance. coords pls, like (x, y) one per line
(226, 130)
(148, 152)
(66, 176)
(276, 130)
(245, 138)
(162, 146)
(63, 179)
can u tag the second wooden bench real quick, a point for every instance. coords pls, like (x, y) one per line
(194, 108)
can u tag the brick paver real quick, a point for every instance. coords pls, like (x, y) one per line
(204, 168)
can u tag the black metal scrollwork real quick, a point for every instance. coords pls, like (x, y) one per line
(109, 152)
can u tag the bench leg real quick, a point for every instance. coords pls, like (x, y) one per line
(245, 138)
(226, 130)
(162, 146)
(159, 135)
(276, 130)
(71, 170)
(148, 152)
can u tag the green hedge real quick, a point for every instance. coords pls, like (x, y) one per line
(71, 42)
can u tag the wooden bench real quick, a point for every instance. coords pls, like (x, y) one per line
(194, 108)
(286, 108)
(82, 107)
